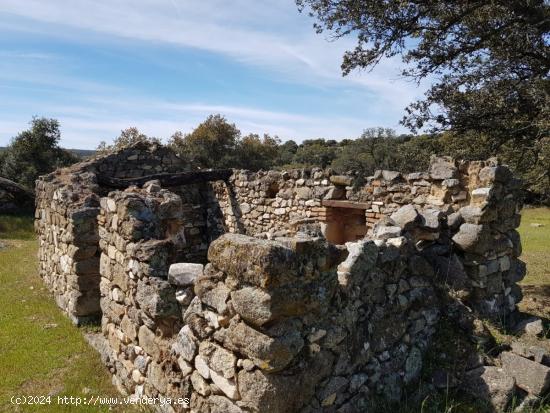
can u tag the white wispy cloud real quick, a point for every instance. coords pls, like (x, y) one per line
(94, 119)
(268, 34)
(13, 54)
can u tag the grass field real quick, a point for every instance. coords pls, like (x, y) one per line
(536, 245)
(42, 353)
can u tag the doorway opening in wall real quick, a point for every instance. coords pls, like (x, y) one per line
(345, 221)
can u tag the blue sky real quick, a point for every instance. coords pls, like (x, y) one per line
(99, 66)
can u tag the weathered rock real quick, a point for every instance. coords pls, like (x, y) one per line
(454, 220)
(490, 384)
(385, 232)
(451, 271)
(184, 274)
(261, 392)
(199, 384)
(468, 236)
(304, 193)
(260, 262)
(429, 219)
(413, 365)
(268, 353)
(215, 297)
(480, 196)
(491, 174)
(390, 175)
(336, 192)
(185, 343)
(157, 298)
(477, 215)
(146, 340)
(228, 386)
(405, 217)
(529, 375)
(531, 326)
(443, 168)
(201, 367)
(336, 385)
(341, 180)
(218, 359)
(253, 305)
(535, 353)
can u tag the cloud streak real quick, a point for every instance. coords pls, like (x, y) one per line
(268, 35)
(96, 118)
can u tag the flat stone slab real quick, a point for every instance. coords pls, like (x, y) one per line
(529, 375)
(490, 384)
(345, 204)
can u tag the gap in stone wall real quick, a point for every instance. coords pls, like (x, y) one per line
(345, 225)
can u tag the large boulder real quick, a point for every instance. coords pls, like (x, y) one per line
(259, 262)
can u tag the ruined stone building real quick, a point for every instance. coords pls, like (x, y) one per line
(291, 291)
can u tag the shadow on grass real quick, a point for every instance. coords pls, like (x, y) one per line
(17, 226)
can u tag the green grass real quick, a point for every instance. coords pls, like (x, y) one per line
(536, 245)
(41, 352)
(16, 227)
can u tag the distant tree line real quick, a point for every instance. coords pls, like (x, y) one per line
(217, 143)
(488, 64)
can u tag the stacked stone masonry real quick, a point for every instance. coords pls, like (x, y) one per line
(236, 294)
(67, 207)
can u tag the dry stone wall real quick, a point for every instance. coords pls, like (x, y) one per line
(68, 254)
(233, 295)
(265, 319)
(466, 215)
(67, 206)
